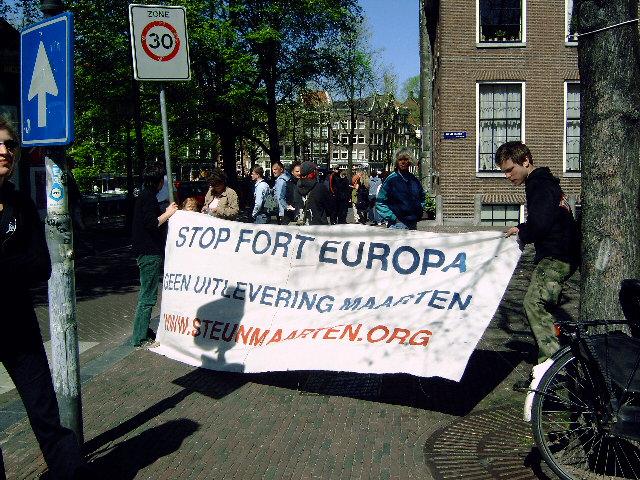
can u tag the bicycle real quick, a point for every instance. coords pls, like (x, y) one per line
(585, 408)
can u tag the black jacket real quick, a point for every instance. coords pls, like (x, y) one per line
(550, 225)
(317, 205)
(292, 199)
(147, 237)
(24, 261)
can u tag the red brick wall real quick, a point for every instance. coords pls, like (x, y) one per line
(543, 64)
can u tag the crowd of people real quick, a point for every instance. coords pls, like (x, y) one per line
(302, 195)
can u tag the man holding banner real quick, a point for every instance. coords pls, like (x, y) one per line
(148, 239)
(551, 228)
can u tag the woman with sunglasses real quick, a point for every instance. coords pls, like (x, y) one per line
(24, 261)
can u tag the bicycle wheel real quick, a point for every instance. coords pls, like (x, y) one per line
(572, 426)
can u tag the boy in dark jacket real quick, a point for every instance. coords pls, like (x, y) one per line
(148, 239)
(552, 230)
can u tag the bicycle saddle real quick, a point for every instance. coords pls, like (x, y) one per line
(630, 303)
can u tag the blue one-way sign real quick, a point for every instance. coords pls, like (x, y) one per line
(46, 77)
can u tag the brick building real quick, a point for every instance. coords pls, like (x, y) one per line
(504, 70)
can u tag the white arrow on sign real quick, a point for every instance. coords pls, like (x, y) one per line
(42, 82)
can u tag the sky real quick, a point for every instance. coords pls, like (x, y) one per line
(394, 32)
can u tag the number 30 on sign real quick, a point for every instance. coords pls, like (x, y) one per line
(159, 44)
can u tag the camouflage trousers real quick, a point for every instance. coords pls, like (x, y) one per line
(543, 295)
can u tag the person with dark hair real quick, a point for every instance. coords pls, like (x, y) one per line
(294, 207)
(220, 201)
(401, 198)
(260, 192)
(552, 230)
(340, 195)
(24, 261)
(149, 234)
(313, 196)
(280, 188)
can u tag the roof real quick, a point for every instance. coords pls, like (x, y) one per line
(316, 98)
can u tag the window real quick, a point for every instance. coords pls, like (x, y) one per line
(325, 132)
(500, 215)
(360, 139)
(335, 155)
(360, 154)
(344, 154)
(500, 119)
(501, 21)
(572, 128)
(570, 23)
(361, 124)
(344, 138)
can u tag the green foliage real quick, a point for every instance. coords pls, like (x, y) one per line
(411, 88)
(430, 205)
(247, 58)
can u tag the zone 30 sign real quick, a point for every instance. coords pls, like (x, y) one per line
(159, 42)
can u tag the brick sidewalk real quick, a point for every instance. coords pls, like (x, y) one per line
(146, 416)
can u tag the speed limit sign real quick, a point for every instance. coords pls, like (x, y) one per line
(159, 42)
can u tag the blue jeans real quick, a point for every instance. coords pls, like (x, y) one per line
(403, 226)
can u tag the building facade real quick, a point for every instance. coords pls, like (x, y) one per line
(321, 130)
(504, 70)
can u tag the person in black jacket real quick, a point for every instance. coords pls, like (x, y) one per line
(24, 261)
(313, 195)
(148, 239)
(552, 230)
(294, 207)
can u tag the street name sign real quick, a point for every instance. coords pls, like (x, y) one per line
(159, 44)
(46, 81)
(454, 135)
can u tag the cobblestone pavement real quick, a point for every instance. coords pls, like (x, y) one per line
(146, 416)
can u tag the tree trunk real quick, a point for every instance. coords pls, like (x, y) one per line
(426, 100)
(137, 125)
(228, 141)
(352, 130)
(272, 119)
(609, 148)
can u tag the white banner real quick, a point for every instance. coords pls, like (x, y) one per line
(257, 298)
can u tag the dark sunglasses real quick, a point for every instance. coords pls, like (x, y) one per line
(10, 144)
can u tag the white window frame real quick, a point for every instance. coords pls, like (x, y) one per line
(335, 155)
(568, 41)
(521, 43)
(564, 131)
(523, 117)
(493, 219)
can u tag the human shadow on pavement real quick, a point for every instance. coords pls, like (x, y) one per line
(220, 321)
(124, 460)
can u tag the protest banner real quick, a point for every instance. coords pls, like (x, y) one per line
(257, 298)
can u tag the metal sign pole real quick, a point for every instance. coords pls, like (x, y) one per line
(165, 135)
(65, 356)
